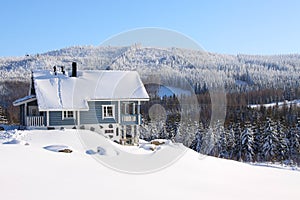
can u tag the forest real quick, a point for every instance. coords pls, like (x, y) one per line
(248, 133)
(259, 134)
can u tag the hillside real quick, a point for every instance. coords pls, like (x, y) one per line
(33, 169)
(199, 68)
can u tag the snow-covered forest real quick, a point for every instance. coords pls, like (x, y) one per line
(199, 68)
(248, 134)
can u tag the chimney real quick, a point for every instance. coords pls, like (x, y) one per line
(74, 69)
(63, 70)
(54, 69)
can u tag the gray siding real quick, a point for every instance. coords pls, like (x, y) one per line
(94, 115)
(55, 119)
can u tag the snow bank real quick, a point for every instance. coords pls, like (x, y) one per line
(32, 172)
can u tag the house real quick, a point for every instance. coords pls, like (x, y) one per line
(106, 101)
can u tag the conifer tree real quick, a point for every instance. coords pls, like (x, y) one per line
(247, 143)
(270, 142)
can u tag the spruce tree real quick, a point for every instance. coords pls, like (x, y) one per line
(247, 143)
(270, 142)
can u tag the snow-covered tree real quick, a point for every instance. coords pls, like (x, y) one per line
(247, 143)
(270, 142)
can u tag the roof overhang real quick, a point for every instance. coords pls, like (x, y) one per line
(24, 100)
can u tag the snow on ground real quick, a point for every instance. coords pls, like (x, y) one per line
(170, 91)
(286, 102)
(29, 170)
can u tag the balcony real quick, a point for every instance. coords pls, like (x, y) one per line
(35, 121)
(129, 119)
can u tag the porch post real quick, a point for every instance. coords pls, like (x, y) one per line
(47, 116)
(78, 117)
(139, 113)
(138, 132)
(119, 111)
(25, 113)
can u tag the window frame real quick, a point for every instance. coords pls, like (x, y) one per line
(66, 114)
(129, 108)
(104, 112)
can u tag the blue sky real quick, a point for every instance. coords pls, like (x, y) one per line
(229, 26)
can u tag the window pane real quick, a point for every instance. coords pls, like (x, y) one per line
(109, 111)
(104, 111)
(109, 131)
(130, 109)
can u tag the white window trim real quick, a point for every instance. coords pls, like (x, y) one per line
(113, 112)
(63, 116)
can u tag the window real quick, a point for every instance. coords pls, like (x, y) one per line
(129, 108)
(68, 115)
(108, 111)
(109, 131)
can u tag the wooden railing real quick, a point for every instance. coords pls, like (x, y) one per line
(35, 121)
(129, 118)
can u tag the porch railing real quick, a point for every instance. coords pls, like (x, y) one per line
(35, 121)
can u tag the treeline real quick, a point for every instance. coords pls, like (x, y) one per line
(261, 134)
(260, 141)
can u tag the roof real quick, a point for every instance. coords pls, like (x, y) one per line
(23, 100)
(60, 92)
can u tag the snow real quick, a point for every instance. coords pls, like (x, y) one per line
(24, 99)
(170, 91)
(60, 92)
(33, 172)
(55, 148)
(286, 102)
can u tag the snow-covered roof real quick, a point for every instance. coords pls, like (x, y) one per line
(24, 100)
(60, 92)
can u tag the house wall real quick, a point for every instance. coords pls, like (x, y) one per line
(90, 117)
(94, 114)
(55, 119)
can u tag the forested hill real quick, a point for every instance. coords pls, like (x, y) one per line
(201, 69)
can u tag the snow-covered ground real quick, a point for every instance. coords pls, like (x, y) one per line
(32, 167)
(288, 103)
(170, 91)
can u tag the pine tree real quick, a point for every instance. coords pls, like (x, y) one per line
(247, 143)
(208, 143)
(294, 143)
(197, 143)
(270, 142)
(222, 143)
(283, 148)
(238, 144)
(258, 144)
(231, 143)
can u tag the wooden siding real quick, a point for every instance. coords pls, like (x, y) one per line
(94, 115)
(55, 119)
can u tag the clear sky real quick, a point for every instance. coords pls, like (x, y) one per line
(224, 26)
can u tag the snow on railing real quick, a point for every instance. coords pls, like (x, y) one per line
(35, 121)
(129, 118)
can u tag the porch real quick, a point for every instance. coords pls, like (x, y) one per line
(34, 121)
(131, 119)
